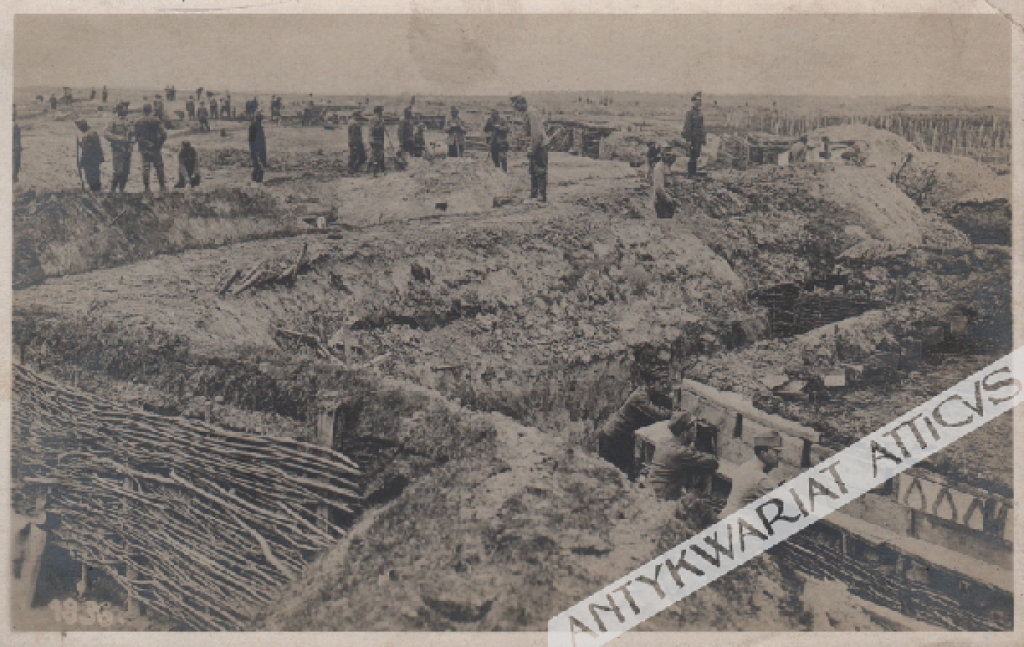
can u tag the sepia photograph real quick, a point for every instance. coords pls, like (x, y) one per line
(418, 322)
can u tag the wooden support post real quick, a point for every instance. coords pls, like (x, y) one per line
(325, 438)
(131, 603)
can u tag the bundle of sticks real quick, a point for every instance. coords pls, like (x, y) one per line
(264, 272)
(210, 522)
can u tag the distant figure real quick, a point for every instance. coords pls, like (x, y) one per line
(171, 93)
(653, 155)
(755, 478)
(378, 133)
(119, 134)
(356, 150)
(406, 132)
(664, 205)
(537, 151)
(188, 166)
(694, 134)
(151, 135)
(497, 129)
(158, 107)
(90, 154)
(225, 107)
(213, 108)
(104, 95)
(257, 147)
(190, 108)
(199, 94)
(204, 118)
(826, 153)
(419, 141)
(92, 94)
(16, 142)
(798, 151)
(456, 129)
(53, 102)
(275, 107)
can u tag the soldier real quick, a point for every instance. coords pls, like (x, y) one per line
(92, 94)
(755, 478)
(694, 134)
(275, 107)
(53, 101)
(456, 129)
(419, 141)
(653, 155)
(498, 129)
(150, 133)
(537, 151)
(664, 205)
(225, 107)
(204, 118)
(190, 108)
(119, 134)
(213, 109)
(407, 132)
(16, 142)
(676, 461)
(158, 107)
(645, 406)
(356, 151)
(199, 94)
(104, 95)
(378, 133)
(188, 166)
(257, 147)
(90, 154)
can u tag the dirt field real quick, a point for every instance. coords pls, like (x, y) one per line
(489, 342)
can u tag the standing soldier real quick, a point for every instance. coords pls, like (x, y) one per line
(204, 121)
(104, 95)
(225, 107)
(158, 107)
(188, 166)
(456, 129)
(419, 140)
(16, 142)
(257, 147)
(92, 94)
(378, 133)
(190, 108)
(406, 132)
(90, 154)
(356, 151)
(537, 151)
(199, 94)
(275, 107)
(213, 108)
(150, 133)
(53, 101)
(119, 134)
(694, 134)
(498, 129)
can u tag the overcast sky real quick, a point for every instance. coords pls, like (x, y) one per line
(837, 55)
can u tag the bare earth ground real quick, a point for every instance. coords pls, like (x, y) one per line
(484, 520)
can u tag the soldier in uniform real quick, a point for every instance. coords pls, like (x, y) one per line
(188, 166)
(91, 154)
(150, 133)
(407, 132)
(677, 464)
(158, 107)
(275, 107)
(538, 151)
(53, 101)
(498, 129)
(756, 477)
(456, 129)
(664, 205)
(16, 142)
(204, 118)
(119, 134)
(104, 94)
(213, 109)
(257, 147)
(694, 134)
(378, 133)
(419, 141)
(356, 150)
(225, 107)
(190, 108)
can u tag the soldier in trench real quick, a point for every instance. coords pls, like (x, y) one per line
(677, 463)
(645, 406)
(756, 477)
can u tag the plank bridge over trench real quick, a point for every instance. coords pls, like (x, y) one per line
(202, 524)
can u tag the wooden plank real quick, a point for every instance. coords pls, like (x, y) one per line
(743, 406)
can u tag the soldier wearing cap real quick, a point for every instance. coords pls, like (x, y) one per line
(214, 114)
(356, 150)
(257, 146)
(407, 132)
(419, 140)
(377, 135)
(158, 107)
(756, 477)
(91, 154)
(664, 205)
(151, 135)
(204, 118)
(648, 404)
(537, 152)
(456, 129)
(119, 134)
(694, 134)
(497, 129)
(188, 166)
(677, 461)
